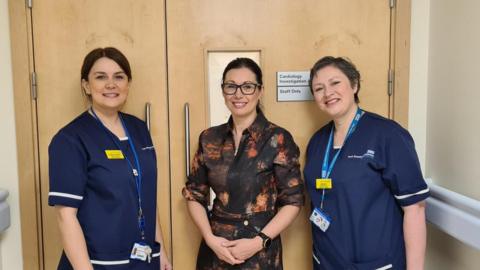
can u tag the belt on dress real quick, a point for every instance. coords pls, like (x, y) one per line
(255, 221)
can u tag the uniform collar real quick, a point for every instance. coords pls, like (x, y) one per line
(255, 129)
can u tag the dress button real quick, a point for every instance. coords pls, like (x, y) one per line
(245, 222)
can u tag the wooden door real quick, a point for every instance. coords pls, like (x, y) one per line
(290, 36)
(64, 32)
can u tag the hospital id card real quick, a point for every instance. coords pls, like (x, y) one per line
(141, 251)
(320, 219)
(114, 154)
(323, 183)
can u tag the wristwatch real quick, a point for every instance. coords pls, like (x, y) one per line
(266, 241)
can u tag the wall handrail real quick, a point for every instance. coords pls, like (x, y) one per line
(455, 214)
(4, 210)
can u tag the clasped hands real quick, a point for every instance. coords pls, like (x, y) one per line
(236, 251)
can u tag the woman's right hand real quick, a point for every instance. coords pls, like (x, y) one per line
(222, 252)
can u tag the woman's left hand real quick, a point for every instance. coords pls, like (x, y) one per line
(244, 248)
(164, 261)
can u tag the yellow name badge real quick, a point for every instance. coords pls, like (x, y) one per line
(323, 183)
(114, 154)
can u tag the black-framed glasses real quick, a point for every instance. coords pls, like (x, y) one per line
(246, 88)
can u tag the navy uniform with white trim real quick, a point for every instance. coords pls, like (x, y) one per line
(376, 174)
(88, 172)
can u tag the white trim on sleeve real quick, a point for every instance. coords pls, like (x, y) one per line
(66, 195)
(388, 266)
(155, 255)
(401, 197)
(110, 262)
(315, 258)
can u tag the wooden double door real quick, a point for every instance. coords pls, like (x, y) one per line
(168, 44)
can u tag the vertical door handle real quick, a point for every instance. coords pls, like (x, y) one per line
(147, 114)
(186, 108)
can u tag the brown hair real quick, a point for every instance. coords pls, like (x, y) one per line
(108, 52)
(345, 66)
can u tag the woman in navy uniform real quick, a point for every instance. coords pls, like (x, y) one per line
(103, 177)
(364, 181)
(252, 165)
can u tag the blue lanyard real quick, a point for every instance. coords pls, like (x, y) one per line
(137, 172)
(326, 167)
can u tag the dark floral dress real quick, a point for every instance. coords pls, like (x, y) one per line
(249, 186)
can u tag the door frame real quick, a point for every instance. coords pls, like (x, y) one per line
(26, 134)
(26, 128)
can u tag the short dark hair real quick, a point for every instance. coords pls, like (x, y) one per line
(344, 65)
(243, 62)
(108, 52)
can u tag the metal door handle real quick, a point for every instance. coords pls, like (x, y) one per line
(186, 108)
(147, 114)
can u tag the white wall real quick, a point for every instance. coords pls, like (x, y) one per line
(443, 105)
(453, 132)
(417, 104)
(10, 241)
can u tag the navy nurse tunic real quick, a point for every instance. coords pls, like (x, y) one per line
(104, 190)
(376, 173)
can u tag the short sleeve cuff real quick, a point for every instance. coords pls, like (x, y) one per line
(412, 198)
(293, 196)
(65, 199)
(191, 195)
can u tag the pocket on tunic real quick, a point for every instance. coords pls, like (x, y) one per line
(156, 253)
(122, 261)
(110, 260)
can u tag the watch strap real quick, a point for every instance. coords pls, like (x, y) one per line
(266, 240)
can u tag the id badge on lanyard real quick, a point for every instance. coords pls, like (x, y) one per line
(142, 252)
(319, 217)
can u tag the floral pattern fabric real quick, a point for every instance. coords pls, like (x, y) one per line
(250, 185)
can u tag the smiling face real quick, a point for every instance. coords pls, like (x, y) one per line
(241, 105)
(107, 85)
(333, 92)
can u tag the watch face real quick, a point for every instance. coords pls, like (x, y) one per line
(267, 242)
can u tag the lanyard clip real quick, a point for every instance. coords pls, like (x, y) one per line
(135, 172)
